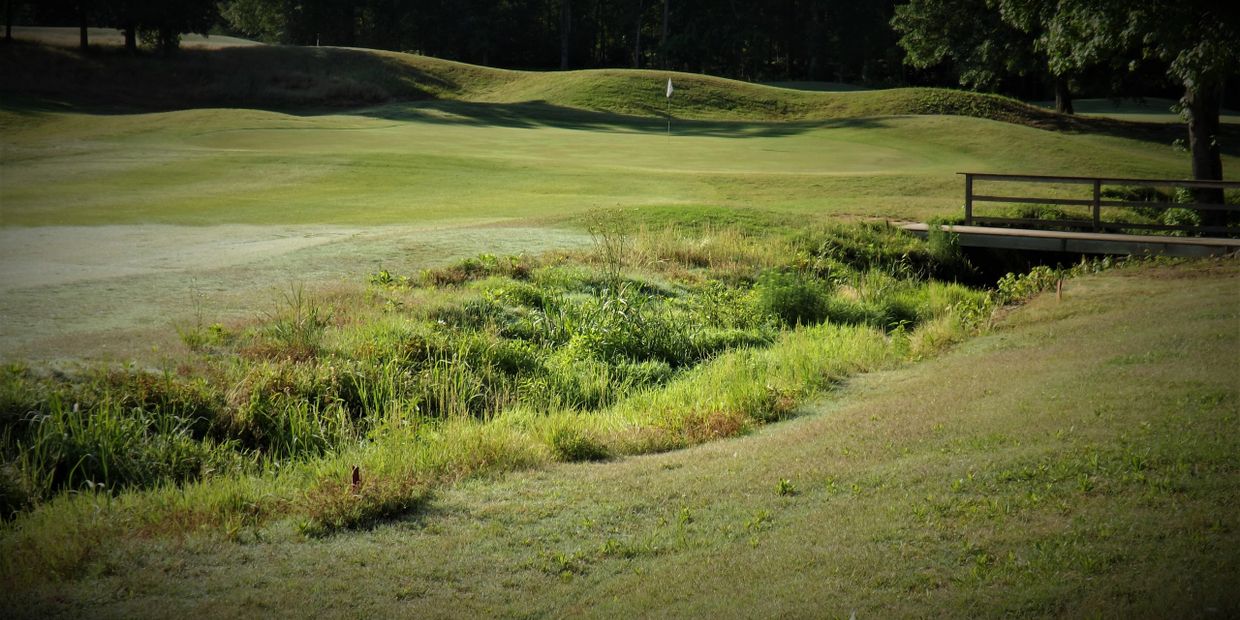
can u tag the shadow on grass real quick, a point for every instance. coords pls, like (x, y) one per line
(542, 114)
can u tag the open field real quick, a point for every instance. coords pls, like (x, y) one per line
(320, 329)
(1079, 460)
(499, 148)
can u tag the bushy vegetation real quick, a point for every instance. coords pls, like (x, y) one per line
(481, 366)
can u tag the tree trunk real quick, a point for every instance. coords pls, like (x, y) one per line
(8, 19)
(637, 38)
(1203, 105)
(348, 14)
(667, 14)
(813, 42)
(83, 41)
(566, 26)
(131, 38)
(1063, 96)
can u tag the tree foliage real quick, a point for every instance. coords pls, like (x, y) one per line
(1196, 40)
(970, 35)
(777, 39)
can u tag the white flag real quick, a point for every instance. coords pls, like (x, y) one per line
(669, 88)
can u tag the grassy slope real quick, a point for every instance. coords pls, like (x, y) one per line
(264, 76)
(437, 140)
(445, 160)
(1080, 461)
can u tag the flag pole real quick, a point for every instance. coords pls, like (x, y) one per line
(669, 108)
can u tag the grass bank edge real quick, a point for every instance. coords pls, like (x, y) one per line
(730, 395)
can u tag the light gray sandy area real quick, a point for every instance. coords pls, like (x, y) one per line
(118, 292)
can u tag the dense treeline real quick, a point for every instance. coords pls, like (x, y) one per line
(830, 40)
(988, 45)
(802, 39)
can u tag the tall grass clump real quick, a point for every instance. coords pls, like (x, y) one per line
(792, 297)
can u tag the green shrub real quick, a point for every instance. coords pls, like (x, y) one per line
(113, 447)
(793, 298)
(575, 444)
(1041, 212)
(15, 495)
(518, 267)
(1016, 287)
(199, 338)
(523, 294)
(562, 338)
(1176, 216)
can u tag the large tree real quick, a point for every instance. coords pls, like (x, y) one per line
(1197, 40)
(967, 34)
(159, 22)
(981, 47)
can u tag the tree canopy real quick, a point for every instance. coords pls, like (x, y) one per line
(1197, 41)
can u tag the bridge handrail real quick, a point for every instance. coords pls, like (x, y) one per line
(1096, 203)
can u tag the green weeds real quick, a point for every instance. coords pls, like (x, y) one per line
(653, 341)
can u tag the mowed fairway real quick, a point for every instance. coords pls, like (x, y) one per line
(415, 163)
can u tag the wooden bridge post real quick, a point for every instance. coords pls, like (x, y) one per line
(1097, 205)
(968, 199)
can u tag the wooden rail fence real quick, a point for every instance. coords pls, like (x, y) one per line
(1095, 202)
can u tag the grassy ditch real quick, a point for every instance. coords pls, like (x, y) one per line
(335, 412)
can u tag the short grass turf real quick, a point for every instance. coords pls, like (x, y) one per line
(439, 161)
(1080, 460)
(296, 135)
(1145, 110)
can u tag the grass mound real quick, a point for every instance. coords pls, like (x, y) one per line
(284, 76)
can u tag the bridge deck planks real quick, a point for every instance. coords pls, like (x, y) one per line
(1081, 242)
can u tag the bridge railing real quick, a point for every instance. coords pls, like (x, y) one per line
(1096, 203)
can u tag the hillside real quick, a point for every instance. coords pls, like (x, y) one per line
(297, 77)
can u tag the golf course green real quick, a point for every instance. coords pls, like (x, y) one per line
(341, 332)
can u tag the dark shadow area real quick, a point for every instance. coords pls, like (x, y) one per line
(542, 114)
(108, 80)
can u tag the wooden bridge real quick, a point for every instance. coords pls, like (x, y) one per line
(1089, 233)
